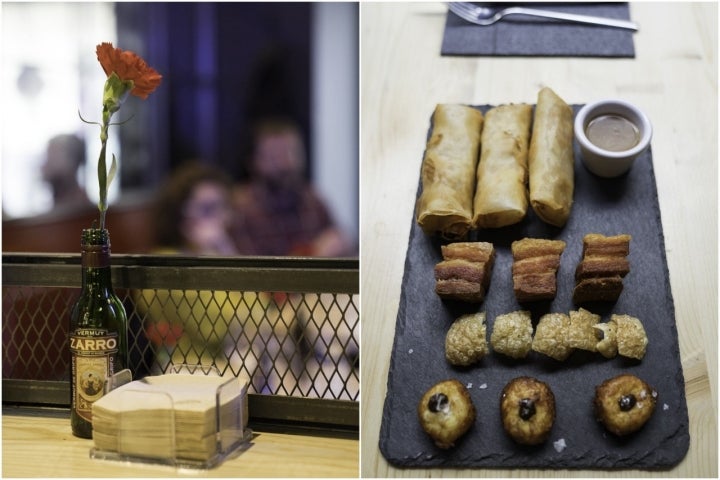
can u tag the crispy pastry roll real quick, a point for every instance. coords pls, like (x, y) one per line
(550, 161)
(501, 194)
(448, 171)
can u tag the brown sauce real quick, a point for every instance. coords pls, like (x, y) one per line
(612, 132)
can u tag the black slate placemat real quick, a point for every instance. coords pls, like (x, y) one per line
(527, 36)
(627, 204)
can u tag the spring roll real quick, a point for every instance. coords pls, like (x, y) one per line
(551, 161)
(448, 171)
(501, 193)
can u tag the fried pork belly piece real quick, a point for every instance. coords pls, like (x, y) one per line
(460, 280)
(596, 244)
(536, 247)
(466, 340)
(535, 266)
(482, 252)
(599, 275)
(631, 337)
(512, 334)
(551, 336)
(464, 273)
(598, 289)
(602, 267)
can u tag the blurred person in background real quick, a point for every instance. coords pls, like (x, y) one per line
(238, 332)
(278, 211)
(193, 212)
(65, 156)
(191, 216)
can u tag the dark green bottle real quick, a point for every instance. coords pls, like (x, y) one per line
(98, 332)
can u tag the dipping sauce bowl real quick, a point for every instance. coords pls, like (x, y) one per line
(611, 134)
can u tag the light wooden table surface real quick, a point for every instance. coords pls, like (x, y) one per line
(43, 446)
(673, 78)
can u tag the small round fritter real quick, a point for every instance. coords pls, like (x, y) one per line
(631, 338)
(624, 403)
(446, 412)
(512, 334)
(551, 336)
(527, 407)
(466, 341)
(581, 334)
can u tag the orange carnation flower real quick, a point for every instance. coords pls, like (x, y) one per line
(126, 73)
(128, 66)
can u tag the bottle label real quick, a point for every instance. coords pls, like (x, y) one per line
(93, 352)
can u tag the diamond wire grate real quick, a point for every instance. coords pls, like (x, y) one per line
(292, 344)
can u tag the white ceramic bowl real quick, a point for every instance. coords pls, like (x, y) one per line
(607, 163)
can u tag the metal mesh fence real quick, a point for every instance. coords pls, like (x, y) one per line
(284, 343)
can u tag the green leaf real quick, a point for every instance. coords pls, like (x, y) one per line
(102, 178)
(113, 170)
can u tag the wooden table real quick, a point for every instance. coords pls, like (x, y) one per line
(673, 78)
(39, 443)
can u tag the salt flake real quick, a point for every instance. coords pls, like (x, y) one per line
(410, 351)
(666, 406)
(469, 385)
(483, 386)
(560, 445)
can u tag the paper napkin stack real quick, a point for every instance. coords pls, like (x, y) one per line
(171, 416)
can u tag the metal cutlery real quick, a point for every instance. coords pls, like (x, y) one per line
(483, 15)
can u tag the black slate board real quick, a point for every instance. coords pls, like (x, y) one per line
(531, 36)
(609, 206)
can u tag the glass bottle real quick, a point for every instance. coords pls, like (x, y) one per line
(98, 331)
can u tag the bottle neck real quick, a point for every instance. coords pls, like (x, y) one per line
(96, 266)
(95, 256)
(96, 278)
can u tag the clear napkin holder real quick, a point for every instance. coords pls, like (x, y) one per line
(148, 421)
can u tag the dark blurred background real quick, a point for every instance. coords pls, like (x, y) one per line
(224, 66)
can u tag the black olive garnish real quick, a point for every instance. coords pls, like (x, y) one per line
(627, 402)
(438, 402)
(527, 408)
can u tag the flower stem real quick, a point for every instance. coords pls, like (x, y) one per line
(114, 94)
(102, 166)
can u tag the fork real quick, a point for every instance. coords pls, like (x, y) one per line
(487, 16)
